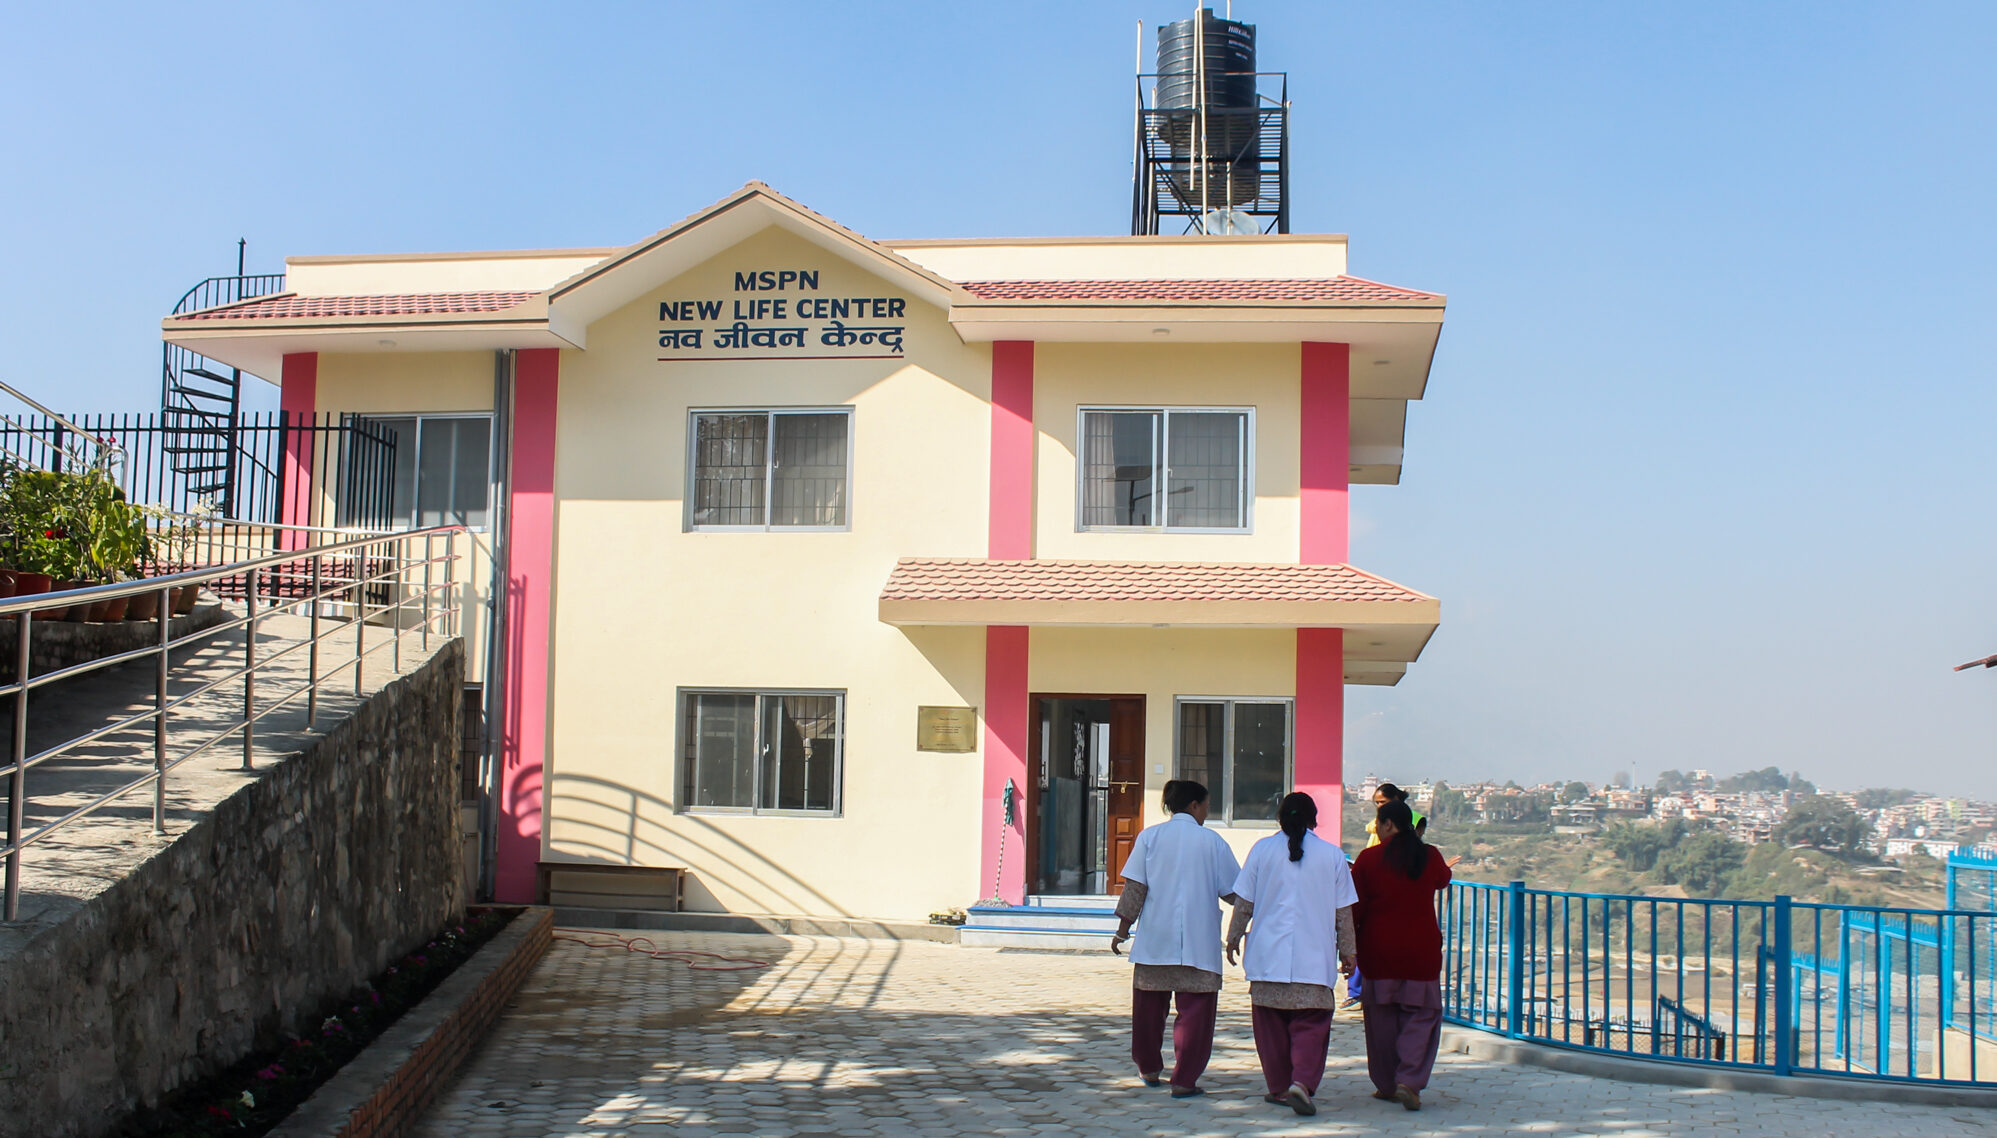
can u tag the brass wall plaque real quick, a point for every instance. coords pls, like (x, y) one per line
(950, 730)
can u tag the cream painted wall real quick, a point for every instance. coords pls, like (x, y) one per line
(448, 272)
(1161, 665)
(1264, 377)
(406, 383)
(643, 608)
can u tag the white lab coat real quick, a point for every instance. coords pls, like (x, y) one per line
(1186, 870)
(1293, 934)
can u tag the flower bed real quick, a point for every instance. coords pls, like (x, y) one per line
(253, 1096)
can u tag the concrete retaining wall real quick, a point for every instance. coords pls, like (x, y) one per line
(297, 887)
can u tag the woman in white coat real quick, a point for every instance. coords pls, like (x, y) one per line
(1176, 877)
(1295, 893)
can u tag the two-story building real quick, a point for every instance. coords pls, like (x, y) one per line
(868, 578)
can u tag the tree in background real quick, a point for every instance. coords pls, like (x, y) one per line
(1576, 791)
(1619, 780)
(1875, 797)
(1672, 782)
(1826, 824)
(1451, 805)
(1638, 845)
(1767, 780)
(1801, 785)
(1701, 863)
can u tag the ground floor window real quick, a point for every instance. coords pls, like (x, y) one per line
(1240, 750)
(762, 751)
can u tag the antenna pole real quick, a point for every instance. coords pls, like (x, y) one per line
(1137, 138)
(1200, 95)
(242, 243)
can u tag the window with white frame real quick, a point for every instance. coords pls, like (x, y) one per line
(442, 473)
(762, 752)
(1239, 749)
(1166, 468)
(770, 469)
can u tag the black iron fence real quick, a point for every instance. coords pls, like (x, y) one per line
(323, 471)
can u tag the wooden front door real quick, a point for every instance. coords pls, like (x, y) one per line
(1085, 791)
(1126, 783)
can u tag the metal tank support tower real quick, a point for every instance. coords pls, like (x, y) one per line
(1213, 134)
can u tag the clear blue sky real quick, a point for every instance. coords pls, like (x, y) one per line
(1704, 475)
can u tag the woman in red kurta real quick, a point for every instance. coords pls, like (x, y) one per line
(1400, 955)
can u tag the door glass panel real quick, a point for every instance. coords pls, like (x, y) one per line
(1261, 746)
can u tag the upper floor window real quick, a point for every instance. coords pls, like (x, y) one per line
(1169, 468)
(440, 473)
(770, 469)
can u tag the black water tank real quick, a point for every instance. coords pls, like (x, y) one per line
(1230, 62)
(1227, 173)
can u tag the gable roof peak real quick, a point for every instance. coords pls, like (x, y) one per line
(637, 269)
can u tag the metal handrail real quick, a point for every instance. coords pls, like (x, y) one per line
(377, 558)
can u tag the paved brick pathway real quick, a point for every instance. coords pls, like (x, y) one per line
(850, 1037)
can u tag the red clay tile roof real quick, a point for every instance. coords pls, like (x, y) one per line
(1323, 290)
(971, 579)
(292, 306)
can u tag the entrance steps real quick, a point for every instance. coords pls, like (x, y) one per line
(1045, 921)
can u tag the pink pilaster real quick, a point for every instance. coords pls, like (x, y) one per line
(1326, 459)
(1006, 710)
(1320, 768)
(1012, 450)
(298, 399)
(1325, 529)
(530, 542)
(1003, 865)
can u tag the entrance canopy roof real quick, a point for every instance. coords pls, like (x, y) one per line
(1386, 624)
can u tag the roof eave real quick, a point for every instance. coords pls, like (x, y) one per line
(1422, 616)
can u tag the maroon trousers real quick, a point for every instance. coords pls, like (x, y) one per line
(1403, 1032)
(1192, 1033)
(1291, 1044)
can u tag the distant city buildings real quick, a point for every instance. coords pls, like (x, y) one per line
(1900, 822)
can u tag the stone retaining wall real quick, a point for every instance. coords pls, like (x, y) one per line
(319, 874)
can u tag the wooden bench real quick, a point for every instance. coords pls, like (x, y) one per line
(588, 885)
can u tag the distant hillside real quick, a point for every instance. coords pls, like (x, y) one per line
(1584, 863)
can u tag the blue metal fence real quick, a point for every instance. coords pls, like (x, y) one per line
(1782, 986)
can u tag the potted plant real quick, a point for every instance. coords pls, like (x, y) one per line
(38, 511)
(175, 535)
(111, 534)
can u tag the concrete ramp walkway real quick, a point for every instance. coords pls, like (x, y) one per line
(62, 871)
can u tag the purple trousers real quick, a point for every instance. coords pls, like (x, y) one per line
(1291, 1045)
(1403, 1031)
(1192, 1033)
